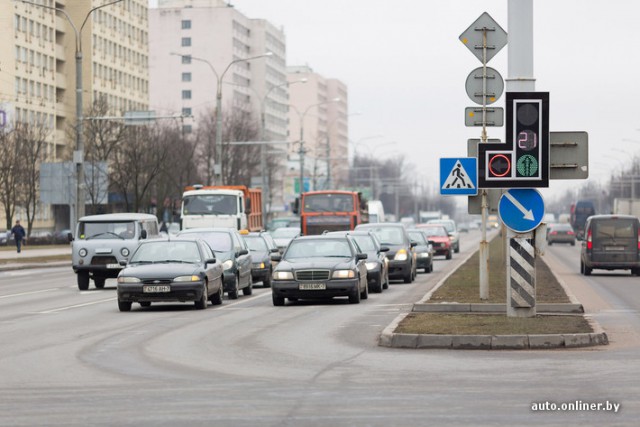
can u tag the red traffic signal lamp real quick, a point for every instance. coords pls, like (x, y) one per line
(523, 161)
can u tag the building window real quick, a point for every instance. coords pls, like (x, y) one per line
(187, 129)
(186, 41)
(186, 24)
(186, 94)
(186, 59)
(186, 111)
(186, 77)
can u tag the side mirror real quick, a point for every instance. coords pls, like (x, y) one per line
(242, 252)
(414, 244)
(210, 261)
(143, 234)
(122, 262)
(247, 206)
(296, 206)
(384, 249)
(360, 256)
(70, 237)
(276, 257)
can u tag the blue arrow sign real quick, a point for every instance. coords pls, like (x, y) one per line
(459, 176)
(522, 209)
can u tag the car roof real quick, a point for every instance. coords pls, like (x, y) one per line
(208, 230)
(122, 216)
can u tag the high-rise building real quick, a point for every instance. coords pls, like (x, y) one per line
(318, 116)
(40, 51)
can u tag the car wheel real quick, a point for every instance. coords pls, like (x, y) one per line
(377, 287)
(248, 290)
(201, 304)
(234, 293)
(83, 280)
(408, 275)
(457, 249)
(354, 297)
(277, 301)
(266, 283)
(99, 282)
(124, 305)
(216, 299)
(449, 256)
(584, 269)
(145, 303)
(385, 285)
(365, 293)
(573, 243)
(635, 271)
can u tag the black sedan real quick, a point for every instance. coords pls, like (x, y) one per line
(261, 246)
(317, 267)
(424, 250)
(167, 271)
(401, 255)
(377, 263)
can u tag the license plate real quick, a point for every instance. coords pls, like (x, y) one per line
(113, 266)
(151, 289)
(614, 248)
(312, 286)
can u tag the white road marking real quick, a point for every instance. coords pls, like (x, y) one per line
(28, 293)
(56, 310)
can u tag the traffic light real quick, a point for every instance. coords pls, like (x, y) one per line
(523, 160)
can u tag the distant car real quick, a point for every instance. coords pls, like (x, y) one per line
(61, 237)
(316, 267)
(450, 225)
(168, 271)
(440, 238)
(402, 257)
(284, 235)
(261, 246)
(560, 233)
(40, 237)
(232, 251)
(276, 223)
(377, 263)
(612, 242)
(424, 250)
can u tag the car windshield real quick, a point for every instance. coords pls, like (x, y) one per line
(219, 241)
(388, 235)
(164, 251)
(328, 203)
(315, 248)
(365, 243)
(417, 236)
(256, 244)
(285, 232)
(436, 231)
(121, 230)
(210, 204)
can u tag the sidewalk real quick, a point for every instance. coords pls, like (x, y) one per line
(33, 257)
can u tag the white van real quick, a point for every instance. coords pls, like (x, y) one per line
(376, 211)
(102, 241)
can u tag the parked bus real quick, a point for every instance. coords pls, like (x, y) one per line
(330, 211)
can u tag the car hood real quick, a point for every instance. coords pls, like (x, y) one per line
(321, 263)
(160, 270)
(395, 248)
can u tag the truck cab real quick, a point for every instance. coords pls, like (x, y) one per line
(236, 207)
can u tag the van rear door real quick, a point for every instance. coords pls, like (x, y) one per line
(615, 240)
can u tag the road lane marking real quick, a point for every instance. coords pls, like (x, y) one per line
(28, 293)
(56, 310)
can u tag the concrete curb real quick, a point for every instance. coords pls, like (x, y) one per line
(27, 265)
(445, 307)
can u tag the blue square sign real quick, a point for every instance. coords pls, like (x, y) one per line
(459, 176)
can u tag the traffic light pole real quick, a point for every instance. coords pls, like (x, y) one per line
(483, 251)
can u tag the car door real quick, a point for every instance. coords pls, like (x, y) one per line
(211, 270)
(243, 259)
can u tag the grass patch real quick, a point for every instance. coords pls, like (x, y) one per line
(491, 324)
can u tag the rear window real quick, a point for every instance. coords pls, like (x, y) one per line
(614, 228)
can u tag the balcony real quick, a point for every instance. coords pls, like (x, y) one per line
(61, 81)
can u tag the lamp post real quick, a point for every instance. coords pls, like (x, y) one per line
(301, 150)
(219, 79)
(78, 155)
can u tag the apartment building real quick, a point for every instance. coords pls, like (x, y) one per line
(38, 66)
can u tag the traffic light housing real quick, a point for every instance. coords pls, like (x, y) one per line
(523, 160)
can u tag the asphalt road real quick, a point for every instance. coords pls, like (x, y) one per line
(70, 358)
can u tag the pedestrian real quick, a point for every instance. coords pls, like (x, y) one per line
(18, 234)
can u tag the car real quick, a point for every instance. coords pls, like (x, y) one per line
(560, 233)
(401, 255)
(377, 263)
(612, 242)
(40, 237)
(261, 246)
(169, 271)
(284, 235)
(61, 237)
(289, 221)
(232, 251)
(319, 267)
(450, 225)
(441, 242)
(424, 250)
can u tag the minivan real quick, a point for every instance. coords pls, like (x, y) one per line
(611, 242)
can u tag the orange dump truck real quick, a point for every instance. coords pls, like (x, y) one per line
(235, 206)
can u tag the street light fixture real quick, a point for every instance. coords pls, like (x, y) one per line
(78, 155)
(219, 79)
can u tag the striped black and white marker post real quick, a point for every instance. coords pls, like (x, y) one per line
(521, 276)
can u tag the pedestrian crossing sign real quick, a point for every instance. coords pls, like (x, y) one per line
(459, 176)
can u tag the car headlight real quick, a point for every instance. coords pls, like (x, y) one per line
(343, 274)
(401, 255)
(128, 279)
(193, 278)
(124, 252)
(227, 264)
(259, 265)
(82, 252)
(423, 255)
(371, 265)
(282, 275)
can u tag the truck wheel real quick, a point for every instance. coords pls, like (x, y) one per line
(83, 280)
(99, 282)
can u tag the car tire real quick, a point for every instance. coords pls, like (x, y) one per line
(266, 283)
(201, 304)
(584, 269)
(83, 280)
(573, 243)
(377, 287)
(248, 290)
(385, 285)
(234, 293)
(365, 294)
(277, 300)
(145, 303)
(457, 249)
(354, 297)
(216, 299)
(99, 282)
(124, 305)
(449, 255)
(408, 276)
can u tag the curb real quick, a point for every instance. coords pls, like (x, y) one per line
(573, 308)
(26, 265)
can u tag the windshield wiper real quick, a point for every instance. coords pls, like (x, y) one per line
(141, 262)
(178, 261)
(106, 232)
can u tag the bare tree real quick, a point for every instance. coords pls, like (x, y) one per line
(239, 162)
(9, 174)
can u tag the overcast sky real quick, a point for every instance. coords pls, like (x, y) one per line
(406, 70)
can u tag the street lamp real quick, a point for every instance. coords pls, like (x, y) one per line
(301, 150)
(78, 155)
(219, 78)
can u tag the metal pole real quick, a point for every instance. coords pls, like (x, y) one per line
(328, 183)
(217, 161)
(301, 153)
(483, 251)
(263, 169)
(79, 154)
